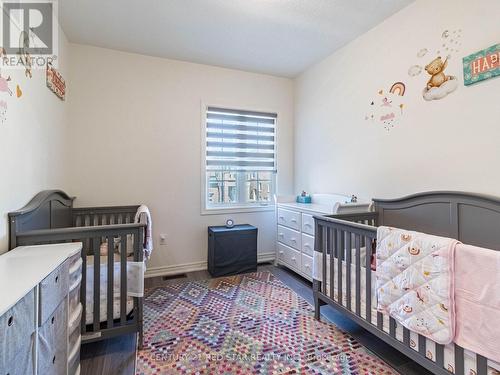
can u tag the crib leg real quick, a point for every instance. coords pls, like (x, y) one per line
(317, 302)
(141, 338)
(141, 325)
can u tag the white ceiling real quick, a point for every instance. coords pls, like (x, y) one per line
(279, 37)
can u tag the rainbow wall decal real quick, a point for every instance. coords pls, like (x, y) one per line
(398, 88)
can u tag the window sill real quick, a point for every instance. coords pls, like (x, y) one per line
(236, 210)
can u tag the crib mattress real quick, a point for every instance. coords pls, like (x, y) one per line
(449, 353)
(103, 308)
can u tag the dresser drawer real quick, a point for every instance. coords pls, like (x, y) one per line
(289, 237)
(289, 256)
(16, 328)
(52, 291)
(307, 265)
(74, 358)
(23, 361)
(74, 300)
(288, 218)
(75, 319)
(307, 244)
(75, 274)
(308, 224)
(52, 342)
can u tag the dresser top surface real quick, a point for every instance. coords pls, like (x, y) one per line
(24, 267)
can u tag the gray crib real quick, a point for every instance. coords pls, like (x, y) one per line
(51, 218)
(470, 218)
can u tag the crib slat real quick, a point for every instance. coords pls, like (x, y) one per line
(340, 257)
(368, 278)
(421, 344)
(332, 235)
(481, 365)
(358, 274)
(111, 267)
(380, 321)
(137, 257)
(348, 269)
(83, 285)
(392, 327)
(406, 336)
(440, 355)
(324, 245)
(459, 360)
(123, 279)
(97, 283)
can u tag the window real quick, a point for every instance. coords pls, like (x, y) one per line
(240, 158)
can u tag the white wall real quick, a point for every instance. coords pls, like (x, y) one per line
(452, 143)
(32, 140)
(135, 137)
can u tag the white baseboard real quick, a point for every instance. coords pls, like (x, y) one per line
(266, 257)
(176, 269)
(197, 266)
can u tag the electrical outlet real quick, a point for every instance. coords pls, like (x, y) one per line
(163, 239)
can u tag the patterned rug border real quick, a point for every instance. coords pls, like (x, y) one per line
(271, 277)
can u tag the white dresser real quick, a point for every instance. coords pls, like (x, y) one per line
(40, 316)
(295, 227)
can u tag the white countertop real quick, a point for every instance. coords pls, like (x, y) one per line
(24, 267)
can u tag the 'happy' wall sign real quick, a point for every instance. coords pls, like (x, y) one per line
(482, 65)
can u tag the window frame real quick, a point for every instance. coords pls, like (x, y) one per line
(237, 207)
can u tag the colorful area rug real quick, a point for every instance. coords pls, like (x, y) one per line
(244, 324)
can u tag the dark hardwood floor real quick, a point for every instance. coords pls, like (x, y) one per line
(117, 356)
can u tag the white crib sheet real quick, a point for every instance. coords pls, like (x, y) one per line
(449, 353)
(103, 310)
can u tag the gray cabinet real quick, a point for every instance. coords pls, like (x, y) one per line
(39, 329)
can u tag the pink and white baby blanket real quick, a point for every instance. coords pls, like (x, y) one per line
(415, 281)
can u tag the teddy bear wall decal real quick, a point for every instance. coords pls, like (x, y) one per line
(439, 84)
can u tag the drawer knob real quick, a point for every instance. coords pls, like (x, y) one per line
(54, 359)
(10, 321)
(282, 218)
(281, 235)
(294, 220)
(308, 225)
(53, 320)
(293, 240)
(308, 266)
(294, 259)
(57, 278)
(281, 252)
(307, 245)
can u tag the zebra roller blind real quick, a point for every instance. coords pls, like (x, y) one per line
(240, 140)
